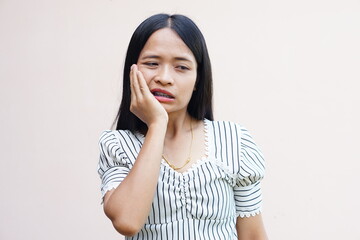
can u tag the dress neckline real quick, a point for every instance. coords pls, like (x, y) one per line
(197, 163)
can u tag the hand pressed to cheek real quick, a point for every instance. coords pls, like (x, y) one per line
(143, 103)
(139, 81)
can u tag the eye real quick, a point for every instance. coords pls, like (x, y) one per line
(151, 64)
(182, 67)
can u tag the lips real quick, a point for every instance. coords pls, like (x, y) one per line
(157, 92)
(163, 96)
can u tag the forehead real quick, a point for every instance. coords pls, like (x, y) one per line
(166, 43)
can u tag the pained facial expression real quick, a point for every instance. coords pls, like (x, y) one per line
(169, 68)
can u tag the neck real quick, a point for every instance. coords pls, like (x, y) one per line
(178, 124)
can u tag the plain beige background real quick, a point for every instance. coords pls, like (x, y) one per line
(287, 70)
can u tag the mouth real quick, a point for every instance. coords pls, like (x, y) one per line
(162, 93)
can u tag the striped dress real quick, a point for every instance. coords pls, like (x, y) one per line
(202, 202)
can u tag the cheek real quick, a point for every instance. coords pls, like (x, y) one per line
(148, 74)
(193, 81)
(189, 86)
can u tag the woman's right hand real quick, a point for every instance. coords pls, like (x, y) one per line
(137, 189)
(143, 104)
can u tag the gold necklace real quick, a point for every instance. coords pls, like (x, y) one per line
(188, 158)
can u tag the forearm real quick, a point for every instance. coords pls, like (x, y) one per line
(251, 228)
(129, 204)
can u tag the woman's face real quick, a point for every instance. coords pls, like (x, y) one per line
(169, 68)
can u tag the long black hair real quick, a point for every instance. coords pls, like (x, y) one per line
(200, 105)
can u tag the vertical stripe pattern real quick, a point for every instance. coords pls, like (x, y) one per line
(204, 201)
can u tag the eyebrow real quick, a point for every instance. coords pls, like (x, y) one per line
(183, 59)
(176, 58)
(150, 56)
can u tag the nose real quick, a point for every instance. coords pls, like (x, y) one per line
(164, 75)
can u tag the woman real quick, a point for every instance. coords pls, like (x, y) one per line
(169, 171)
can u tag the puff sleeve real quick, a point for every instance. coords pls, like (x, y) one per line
(247, 191)
(113, 166)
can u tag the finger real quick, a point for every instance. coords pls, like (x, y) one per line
(133, 96)
(142, 83)
(135, 82)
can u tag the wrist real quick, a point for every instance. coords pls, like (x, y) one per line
(159, 125)
(157, 131)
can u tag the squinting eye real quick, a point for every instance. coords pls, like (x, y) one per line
(183, 68)
(151, 64)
